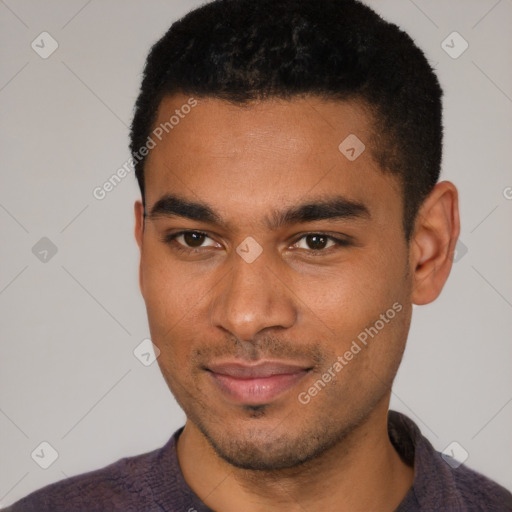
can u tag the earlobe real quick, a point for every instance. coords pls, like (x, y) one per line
(433, 243)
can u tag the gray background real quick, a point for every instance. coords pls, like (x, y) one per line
(69, 325)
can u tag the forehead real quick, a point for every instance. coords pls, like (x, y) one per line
(264, 153)
(301, 126)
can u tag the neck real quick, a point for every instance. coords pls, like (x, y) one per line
(362, 472)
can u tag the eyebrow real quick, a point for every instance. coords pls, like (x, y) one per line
(325, 208)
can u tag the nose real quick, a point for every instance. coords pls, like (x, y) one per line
(254, 297)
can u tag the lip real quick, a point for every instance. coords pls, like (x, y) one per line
(256, 384)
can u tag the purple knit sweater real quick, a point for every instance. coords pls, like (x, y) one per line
(154, 482)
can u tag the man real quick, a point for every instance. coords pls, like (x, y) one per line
(288, 155)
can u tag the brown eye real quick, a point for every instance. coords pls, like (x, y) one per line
(189, 241)
(316, 242)
(320, 242)
(194, 238)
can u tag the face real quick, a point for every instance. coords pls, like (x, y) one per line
(275, 274)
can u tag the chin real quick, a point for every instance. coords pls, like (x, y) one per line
(270, 445)
(268, 456)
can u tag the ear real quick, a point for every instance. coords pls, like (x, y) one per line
(436, 230)
(139, 234)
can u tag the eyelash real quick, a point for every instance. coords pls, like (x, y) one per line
(170, 239)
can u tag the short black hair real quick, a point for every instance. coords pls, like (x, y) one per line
(249, 50)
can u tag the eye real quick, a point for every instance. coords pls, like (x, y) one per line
(189, 241)
(318, 242)
(197, 241)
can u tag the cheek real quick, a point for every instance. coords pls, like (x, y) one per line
(171, 293)
(381, 312)
(342, 301)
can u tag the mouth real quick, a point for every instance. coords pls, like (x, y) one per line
(256, 384)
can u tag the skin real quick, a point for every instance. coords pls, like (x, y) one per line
(332, 453)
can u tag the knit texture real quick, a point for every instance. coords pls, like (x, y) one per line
(154, 482)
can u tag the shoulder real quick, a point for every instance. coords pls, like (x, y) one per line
(477, 492)
(440, 482)
(127, 485)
